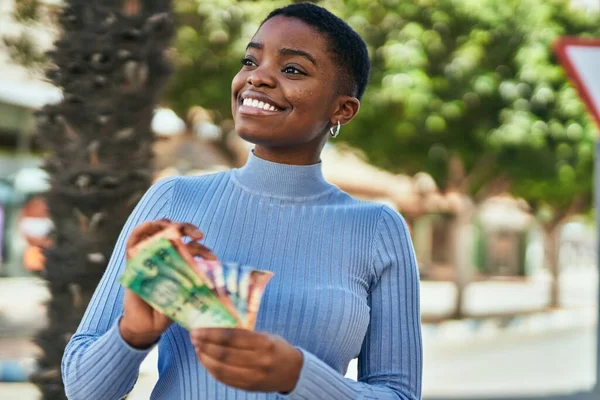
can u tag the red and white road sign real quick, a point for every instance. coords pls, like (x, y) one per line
(581, 58)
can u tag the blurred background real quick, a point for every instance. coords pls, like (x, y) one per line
(469, 128)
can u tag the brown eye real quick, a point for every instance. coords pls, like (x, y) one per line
(292, 71)
(246, 62)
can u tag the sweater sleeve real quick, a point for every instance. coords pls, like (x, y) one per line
(98, 363)
(390, 361)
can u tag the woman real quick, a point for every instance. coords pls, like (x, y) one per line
(345, 284)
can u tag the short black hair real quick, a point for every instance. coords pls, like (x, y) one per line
(349, 49)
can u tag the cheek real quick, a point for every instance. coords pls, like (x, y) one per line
(300, 99)
(311, 103)
(237, 83)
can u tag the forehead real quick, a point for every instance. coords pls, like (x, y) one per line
(286, 32)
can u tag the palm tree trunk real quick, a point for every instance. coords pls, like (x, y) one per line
(110, 62)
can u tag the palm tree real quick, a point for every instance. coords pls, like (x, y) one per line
(111, 63)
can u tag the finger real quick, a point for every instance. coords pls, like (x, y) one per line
(239, 377)
(198, 250)
(142, 232)
(191, 231)
(237, 357)
(232, 337)
(146, 230)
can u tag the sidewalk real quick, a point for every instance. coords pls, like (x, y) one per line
(578, 289)
(21, 314)
(21, 299)
(22, 310)
(18, 391)
(485, 351)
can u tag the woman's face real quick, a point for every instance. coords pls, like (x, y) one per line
(284, 96)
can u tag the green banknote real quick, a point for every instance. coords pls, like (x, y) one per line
(194, 293)
(160, 276)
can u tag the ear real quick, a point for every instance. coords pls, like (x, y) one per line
(346, 108)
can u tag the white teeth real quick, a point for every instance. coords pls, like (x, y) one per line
(258, 104)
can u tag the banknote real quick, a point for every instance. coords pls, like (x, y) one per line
(173, 235)
(168, 257)
(258, 284)
(213, 270)
(174, 294)
(230, 274)
(174, 291)
(243, 286)
(192, 291)
(244, 274)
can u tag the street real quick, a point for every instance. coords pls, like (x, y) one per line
(548, 352)
(556, 362)
(549, 363)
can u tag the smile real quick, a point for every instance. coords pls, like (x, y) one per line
(261, 105)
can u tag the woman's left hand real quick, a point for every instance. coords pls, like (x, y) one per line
(247, 360)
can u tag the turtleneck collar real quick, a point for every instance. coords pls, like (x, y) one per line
(281, 180)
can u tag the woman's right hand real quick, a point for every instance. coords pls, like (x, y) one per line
(141, 325)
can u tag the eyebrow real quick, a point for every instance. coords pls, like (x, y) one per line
(285, 52)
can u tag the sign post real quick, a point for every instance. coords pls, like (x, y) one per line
(581, 59)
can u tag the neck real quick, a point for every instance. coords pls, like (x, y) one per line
(290, 156)
(282, 180)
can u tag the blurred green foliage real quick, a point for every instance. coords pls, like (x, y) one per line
(470, 80)
(467, 80)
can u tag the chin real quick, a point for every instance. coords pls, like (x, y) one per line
(255, 136)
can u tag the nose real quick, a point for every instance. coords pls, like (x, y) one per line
(260, 77)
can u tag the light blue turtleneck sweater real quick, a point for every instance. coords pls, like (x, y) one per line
(346, 285)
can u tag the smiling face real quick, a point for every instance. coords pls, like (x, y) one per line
(285, 98)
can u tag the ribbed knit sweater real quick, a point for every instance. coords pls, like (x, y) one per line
(346, 285)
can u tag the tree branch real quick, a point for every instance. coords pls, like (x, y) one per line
(578, 205)
(482, 167)
(495, 186)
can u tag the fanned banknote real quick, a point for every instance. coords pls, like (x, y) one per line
(213, 270)
(171, 287)
(230, 273)
(193, 292)
(258, 284)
